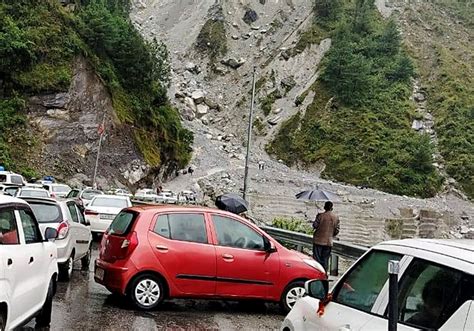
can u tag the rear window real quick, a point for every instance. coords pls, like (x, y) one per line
(46, 213)
(88, 195)
(18, 180)
(61, 188)
(3, 178)
(109, 202)
(122, 223)
(34, 193)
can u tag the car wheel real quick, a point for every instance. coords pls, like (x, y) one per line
(43, 320)
(86, 260)
(66, 268)
(146, 292)
(291, 294)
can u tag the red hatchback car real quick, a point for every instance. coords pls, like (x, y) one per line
(150, 253)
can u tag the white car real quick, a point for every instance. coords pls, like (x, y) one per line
(167, 197)
(28, 266)
(32, 192)
(11, 178)
(436, 290)
(101, 211)
(146, 194)
(74, 234)
(57, 190)
(122, 192)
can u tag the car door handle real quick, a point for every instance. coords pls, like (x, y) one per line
(162, 248)
(31, 260)
(9, 262)
(227, 257)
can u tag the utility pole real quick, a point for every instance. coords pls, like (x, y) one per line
(101, 131)
(249, 136)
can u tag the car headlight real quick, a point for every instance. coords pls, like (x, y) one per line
(315, 265)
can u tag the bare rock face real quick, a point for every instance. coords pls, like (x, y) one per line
(66, 125)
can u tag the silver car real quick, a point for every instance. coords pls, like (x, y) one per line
(74, 234)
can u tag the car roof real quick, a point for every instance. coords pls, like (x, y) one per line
(177, 209)
(44, 199)
(32, 188)
(6, 199)
(462, 249)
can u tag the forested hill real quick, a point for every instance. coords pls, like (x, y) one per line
(367, 122)
(40, 42)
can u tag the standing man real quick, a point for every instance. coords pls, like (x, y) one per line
(326, 226)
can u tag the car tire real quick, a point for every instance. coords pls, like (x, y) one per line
(43, 319)
(292, 292)
(86, 259)
(146, 292)
(66, 269)
(3, 322)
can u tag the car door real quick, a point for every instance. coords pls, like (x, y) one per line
(244, 268)
(14, 265)
(181, 245)
(78, 231)
(85, 235)
(431, 296)
(38, 260)
(356, 295)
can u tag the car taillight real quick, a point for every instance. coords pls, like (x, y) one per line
(128, 246)
(90, 212)
(63, 230)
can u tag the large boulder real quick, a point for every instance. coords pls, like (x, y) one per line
(198, 96)
(202, 109)
(233, 63)
(250, 16)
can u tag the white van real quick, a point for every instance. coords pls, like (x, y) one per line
(11, 178)
(436, 290)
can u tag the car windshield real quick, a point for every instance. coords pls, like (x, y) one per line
(89, 194)
(61, 188)
(34, 193)
(11, 190)
(109, 202)
(46, 213)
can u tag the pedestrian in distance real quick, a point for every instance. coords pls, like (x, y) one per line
(261, 165)
(190, 171)
(326, 226)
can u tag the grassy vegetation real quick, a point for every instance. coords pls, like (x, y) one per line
(292, 224)
(447, 71)
(267, 102)
(38, 42)
(212, 38)
(363, 134)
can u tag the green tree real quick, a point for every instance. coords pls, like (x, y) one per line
(389, 41)
(327, 10)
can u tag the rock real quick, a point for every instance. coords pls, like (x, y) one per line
(209, 136)
(250, 16)
(464, 229)
(255, 27)
(288, 83)
(202, 109)
(220, 70)
(246, 36)
(198, 96)
(263, 31)
(211, 103)
(274, 120)
(417, 125)
(189, 102)
(179, 95)
(235, 25)
(235, 37)
(286, 55)
(277, 111)
(262, 2)
(58, 114)
(419, 97)
(193, 68)
(233, 63)
(205, 120)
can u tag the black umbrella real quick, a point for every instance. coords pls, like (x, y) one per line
(232, 202)
(317, 195)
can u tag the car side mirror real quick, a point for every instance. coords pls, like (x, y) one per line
(268, 246)
(317, 288)
(50, 234)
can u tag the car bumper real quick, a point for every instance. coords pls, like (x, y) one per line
(64, 249)
(115, 278)
(99, 225)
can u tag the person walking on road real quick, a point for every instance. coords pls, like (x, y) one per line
(326, 226)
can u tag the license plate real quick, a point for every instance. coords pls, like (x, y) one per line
(107, 216)
(99, 273)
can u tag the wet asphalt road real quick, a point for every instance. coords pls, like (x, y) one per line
(81, 304)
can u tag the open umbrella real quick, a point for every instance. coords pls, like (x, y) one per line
(232, 202)
(317, 195)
